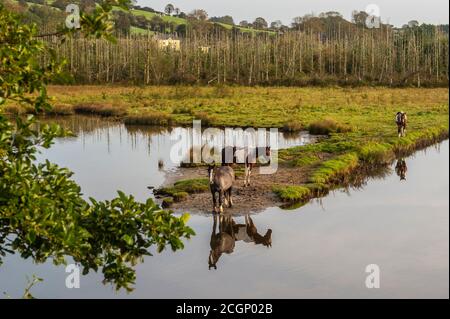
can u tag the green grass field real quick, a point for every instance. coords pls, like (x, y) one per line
(166, 18)
(359, 121)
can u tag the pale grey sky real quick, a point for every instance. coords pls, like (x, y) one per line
(397, 12)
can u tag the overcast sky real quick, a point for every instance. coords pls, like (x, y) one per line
(396, 12)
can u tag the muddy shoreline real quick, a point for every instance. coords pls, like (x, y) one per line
(259, 196)
(251, 199)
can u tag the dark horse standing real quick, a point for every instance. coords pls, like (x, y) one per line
(401, 120)
(246, 156)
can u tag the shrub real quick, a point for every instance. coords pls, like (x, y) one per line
(182, 110)
(188, 186)
(154, 118)
(61, 110)
(207, 120)
(328, 126)
(180, 196)
(292, 126)
(376, 153)
(101, 109)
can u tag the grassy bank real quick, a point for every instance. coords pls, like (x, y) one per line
(359, 122)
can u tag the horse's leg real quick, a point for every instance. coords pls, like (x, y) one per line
(250, 168)
(245, 174)
(230, 200)
(221, 195)
(214, 200)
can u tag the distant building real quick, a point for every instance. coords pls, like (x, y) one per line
(168, 43)
(204, 49)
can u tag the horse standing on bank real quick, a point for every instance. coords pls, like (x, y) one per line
(221, 182)
(247, 156)
(401, 120)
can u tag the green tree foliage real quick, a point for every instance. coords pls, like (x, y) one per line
(169, 9)
(199, 14)
(225, 19)
(123, 21)
(260, 23)
(42, 212)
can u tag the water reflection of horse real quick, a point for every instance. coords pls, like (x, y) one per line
(401, 169)
(224, 241)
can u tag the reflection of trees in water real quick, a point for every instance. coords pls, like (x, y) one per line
(104, 130)
(136, 133)
(80, 124)
(98, 129)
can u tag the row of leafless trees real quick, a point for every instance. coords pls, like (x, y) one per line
(365, 56)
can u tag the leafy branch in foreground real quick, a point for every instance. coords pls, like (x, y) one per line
(42, 212)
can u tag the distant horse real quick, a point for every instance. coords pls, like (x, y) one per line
(222, 241)
(249, 233)
(246, 156)
(221, 181)
(401, 120)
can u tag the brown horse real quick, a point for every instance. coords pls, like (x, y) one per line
(249, 233)
(224, 241)
(401, 120)
(247, 156)
(221, 242)
(221, 181)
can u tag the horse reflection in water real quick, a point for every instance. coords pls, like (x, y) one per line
(401, 169)
(224, 241)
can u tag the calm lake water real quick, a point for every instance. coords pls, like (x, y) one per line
(318, 251)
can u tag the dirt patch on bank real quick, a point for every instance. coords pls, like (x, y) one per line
(251, 199)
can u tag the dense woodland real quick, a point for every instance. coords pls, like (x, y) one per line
(314, 50)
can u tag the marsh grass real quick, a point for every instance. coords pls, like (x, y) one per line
(292, 193)
(180, 196)
(376, 153)
(167, 202)
(359, 122)
(207, 119)
(328, 126)
(335, 168)
(11, 110)
(100, 109)
(153, 118)
(188, 186)
(61, 110)
(292, 126)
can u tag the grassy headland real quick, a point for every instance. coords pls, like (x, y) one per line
(359, 121)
